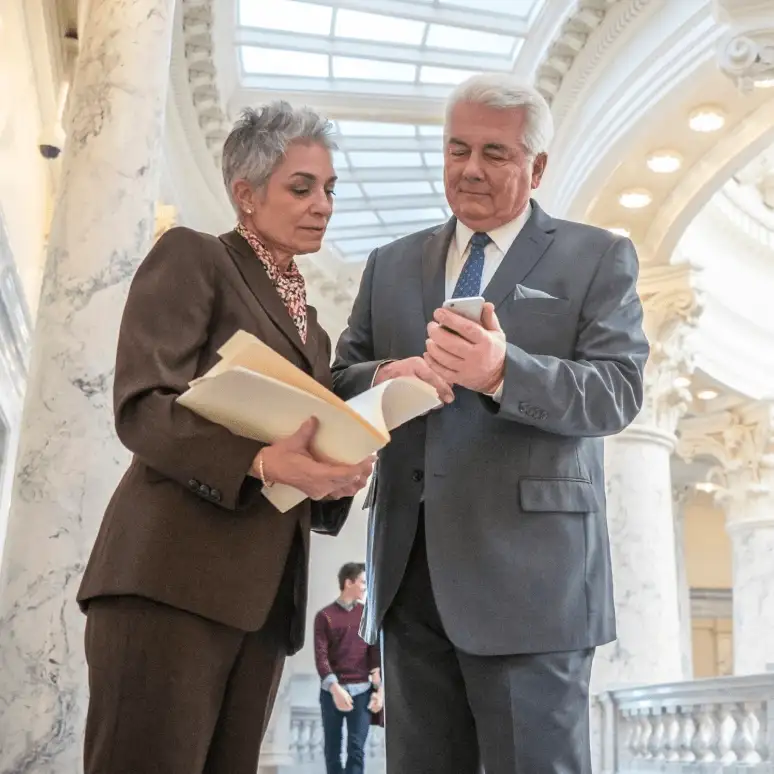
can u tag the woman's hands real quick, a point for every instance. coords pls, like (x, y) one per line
(292, 462)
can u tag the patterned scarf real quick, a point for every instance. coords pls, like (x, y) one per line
(289, 285)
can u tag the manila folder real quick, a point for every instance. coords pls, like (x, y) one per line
(256, 393)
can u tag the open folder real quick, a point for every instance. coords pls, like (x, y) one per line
(256, 393)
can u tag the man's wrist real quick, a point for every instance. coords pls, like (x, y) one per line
(330, 682)
(497, 381)
(377, 372)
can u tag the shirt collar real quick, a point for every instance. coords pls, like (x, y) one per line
(348, 606)
(503, 236)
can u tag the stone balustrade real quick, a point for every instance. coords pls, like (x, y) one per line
(306, 737)
(723, 725)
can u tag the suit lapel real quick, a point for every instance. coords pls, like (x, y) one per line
(265, 293)
(434, 268)
(527, 249)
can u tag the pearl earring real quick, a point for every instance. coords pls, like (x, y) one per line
(249, 211)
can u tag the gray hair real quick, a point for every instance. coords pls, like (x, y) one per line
(504, 90)
(260, 139)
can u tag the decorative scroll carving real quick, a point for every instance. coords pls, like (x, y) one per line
(741, 440)
(672, 305)
(746, 53)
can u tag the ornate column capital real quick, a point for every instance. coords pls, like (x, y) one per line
(672, 304)
(746, 52)
(741, 441)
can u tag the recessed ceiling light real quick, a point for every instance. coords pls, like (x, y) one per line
(682, 381)
(706, 486)
(707, 394)
(635, 199)
(764, 83)
(620, 231)
(707, 119)
(664, 162)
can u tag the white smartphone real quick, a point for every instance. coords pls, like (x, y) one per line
(470, 308)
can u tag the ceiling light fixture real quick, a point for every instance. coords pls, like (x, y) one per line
(707, 119)
(706, 486)
(707, 394)
(664, 162)
(635, 199)
(764, 83)
(620, 231)
(682, 381)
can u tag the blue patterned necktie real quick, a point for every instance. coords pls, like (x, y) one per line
(469, 281)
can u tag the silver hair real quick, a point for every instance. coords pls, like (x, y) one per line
(504, 90)
(260, 139)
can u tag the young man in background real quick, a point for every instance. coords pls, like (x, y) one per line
(350, 673)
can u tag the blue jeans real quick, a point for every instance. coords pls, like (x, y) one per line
(358, 721)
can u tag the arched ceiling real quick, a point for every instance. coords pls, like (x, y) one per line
(624, 78)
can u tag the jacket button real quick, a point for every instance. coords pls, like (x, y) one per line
(215, 495)
(418, 475)
(204, 490)
(193, 485)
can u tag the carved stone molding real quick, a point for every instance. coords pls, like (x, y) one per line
(198, 34)
(746, 53)
(585, 40)
(672, 304)
(741, 441)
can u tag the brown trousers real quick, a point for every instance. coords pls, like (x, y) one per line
(174, 693)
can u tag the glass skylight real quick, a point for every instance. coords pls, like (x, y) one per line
(444, 75)
(373, 69)
(384, 29)
(417, 49)
(286, 15)
(443, 36)
(389, 185)
(347, 57)
(273, 61)
(407, 188)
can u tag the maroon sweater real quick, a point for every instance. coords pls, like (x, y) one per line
(338, 648)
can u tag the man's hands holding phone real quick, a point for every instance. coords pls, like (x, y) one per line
(467, 353)
(458, 351)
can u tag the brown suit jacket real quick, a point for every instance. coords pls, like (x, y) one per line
(186, 526)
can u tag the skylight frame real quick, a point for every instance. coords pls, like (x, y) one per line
(426, 58)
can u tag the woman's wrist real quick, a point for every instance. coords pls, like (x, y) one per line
(259, 469)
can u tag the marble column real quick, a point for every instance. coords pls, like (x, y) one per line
(741, 440)
(751, 527)
(69, 459)
(679, 497)
(639, 497)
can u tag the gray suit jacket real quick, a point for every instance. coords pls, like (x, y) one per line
(514, 494)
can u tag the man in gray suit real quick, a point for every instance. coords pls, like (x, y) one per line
(489, 566)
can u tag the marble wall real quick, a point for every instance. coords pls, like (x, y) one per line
(14, 356)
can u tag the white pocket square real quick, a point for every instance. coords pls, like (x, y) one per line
(522, 291)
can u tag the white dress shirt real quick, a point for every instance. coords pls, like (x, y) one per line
(502, 238)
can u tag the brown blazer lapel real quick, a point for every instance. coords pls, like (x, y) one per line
(258, 281)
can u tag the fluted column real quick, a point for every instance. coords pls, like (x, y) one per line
(639, 496)
(69, 459)
(742, 442)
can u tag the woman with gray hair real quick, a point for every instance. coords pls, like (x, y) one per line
(196, 589)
